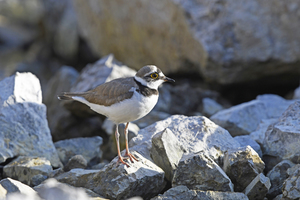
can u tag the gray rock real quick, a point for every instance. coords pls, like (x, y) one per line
(59, 118)
(151, 118)
(297, 93)
(77, 161)
(290, 188)
(53, 190)
(258, 188)
(277, 176)
(245, 140)
(24, 168)
(259, 134)
(227, 42)
(282, 138)
(199, 172)
(3, 192)
(242, 165)
(104, 70)
(89, 148)
(278, 197)
(24, 127)
(210, 106)
(142, 178)
(166, 152)
(182, 192)
(77, 177)
(193, 133)
(244, 118)
(12, 186)
(38, 179)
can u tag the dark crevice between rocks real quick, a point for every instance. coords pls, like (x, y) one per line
(8, 160)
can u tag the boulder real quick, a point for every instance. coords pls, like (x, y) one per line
(182, 192)
(258, 187)
(226, 42)
(195, 134)
(246, 140)
(24, 168)
(290, 189)
(259, 134)
(200, 172)
(152, 117)
(117, 181)
(12, 186)
(104, 70)
(242, 165)
(89, 148)
(282, 138)
(277, 177)
(24, 127)
(77, 161)
(244, 118)
(166, 152)
(210, 106)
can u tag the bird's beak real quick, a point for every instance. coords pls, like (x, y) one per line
(166, 79)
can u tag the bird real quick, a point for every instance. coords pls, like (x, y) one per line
(124, 100)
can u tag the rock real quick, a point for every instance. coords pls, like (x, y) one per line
(38, 179)
(12, 186)
(195, 134)
(199, 172)
(242, 165)
(58, 116)
(52, 190)
(210, 106)
(244, 118)
(226, 42)
(89, 148)
(182, 192)
(151, 118)
(77, 177)
(278, 197)
(24, 127)
(297, 93)
(282, 138)
(25, 168)
(142, 178)
(277, 176)
(258, 188)
(245, 140)
(110, 147)
(259, 134)
(104, 70)
(77, 161)
(290, 189)
(3, 192)
(166, 152)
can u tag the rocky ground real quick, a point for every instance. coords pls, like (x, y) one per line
(199, 142)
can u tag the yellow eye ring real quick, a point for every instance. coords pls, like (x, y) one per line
(154, 75)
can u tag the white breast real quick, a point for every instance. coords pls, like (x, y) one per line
(125, 111)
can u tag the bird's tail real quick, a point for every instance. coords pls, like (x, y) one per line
(69, 95)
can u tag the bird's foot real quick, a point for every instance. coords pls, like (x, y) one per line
(120, 160)
(130, 156)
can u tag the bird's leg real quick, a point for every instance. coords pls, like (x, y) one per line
(131, 157)
(117, 135)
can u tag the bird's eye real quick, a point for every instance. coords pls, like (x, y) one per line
(154, 75)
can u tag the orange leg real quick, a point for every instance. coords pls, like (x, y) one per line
(117, 135)
(131, 157)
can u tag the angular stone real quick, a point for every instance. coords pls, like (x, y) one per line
(152, 117)
(117, 181)
(210, 106)
(77, 161)
(166, 152)
(89, 148)
(290, 188)
(3, 192)
(24, 127)
(242, 165)
(277, 176)
(11, 186)
(24, 168)
(198, 171)
(258, 188)
(245, 118)
(282, 138)
(259, 134)
(245, 140)
(104, 70)
(193, 133)
(51, 189)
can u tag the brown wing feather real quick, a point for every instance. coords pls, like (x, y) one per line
(111, 92)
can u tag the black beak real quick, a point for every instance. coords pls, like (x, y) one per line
(166, 79)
